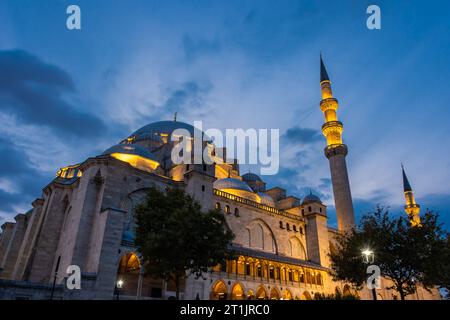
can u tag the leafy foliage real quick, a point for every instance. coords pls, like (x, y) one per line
(336, 296)
(176, 237)
(406, 255)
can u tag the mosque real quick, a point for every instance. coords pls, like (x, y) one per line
(84, 217)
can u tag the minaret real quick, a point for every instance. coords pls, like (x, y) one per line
(411, 207)
(336, 151)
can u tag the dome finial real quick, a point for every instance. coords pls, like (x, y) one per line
(175, 116)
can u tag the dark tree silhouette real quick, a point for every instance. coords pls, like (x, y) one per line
(406, 255)
(176, 238)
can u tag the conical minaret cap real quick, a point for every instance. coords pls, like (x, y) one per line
(323, 71)
(406, 185)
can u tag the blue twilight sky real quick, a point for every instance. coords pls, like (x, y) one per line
(66, 95)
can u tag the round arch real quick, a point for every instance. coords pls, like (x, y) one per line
(250, 295)
(128, 273)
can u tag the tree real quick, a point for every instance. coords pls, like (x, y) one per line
(406, 255)
(336, 296)
(176, 238)
(440, 266)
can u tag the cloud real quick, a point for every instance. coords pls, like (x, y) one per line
(302, 135)
(36, 92)
(185, 99)
(20, 181)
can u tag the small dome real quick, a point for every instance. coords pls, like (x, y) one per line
(163, 127)
(310, 198)
(231, 183)
(133, 149)
(251, 177)
(266, 199)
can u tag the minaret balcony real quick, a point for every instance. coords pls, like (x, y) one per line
(329, 104)
(332, 126)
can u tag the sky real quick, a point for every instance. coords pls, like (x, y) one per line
(66, 95)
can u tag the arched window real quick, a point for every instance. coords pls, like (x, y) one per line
(236, 212)
(308, 277)
(262, 236)
(309, 209)
(319, 279)
(281, 225)
(218, 205)
(296, 248)
(271, 272)
(287, 227)
(302, 277)
(248, 270)
(290, 275)
(294, 227)
(227, 209)
(259, 236)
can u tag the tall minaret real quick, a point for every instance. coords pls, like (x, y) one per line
(336, 152)
(411, 207)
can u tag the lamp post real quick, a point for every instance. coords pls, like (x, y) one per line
(368, 258)
(119, 285)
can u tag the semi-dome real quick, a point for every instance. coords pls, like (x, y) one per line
(135, 155)
(251, 177)
(310, 198)
(266, 199)
(163, 128)
(231, 183)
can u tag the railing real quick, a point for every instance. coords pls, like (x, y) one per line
(256, 204)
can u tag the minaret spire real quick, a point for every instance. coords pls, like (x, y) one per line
(411, 207)
(323, 71)
(336, 151)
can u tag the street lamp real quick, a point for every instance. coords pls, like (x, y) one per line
(368, 258)
(368, 255)
(119, 285)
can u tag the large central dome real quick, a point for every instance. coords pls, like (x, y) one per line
(163, 128)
